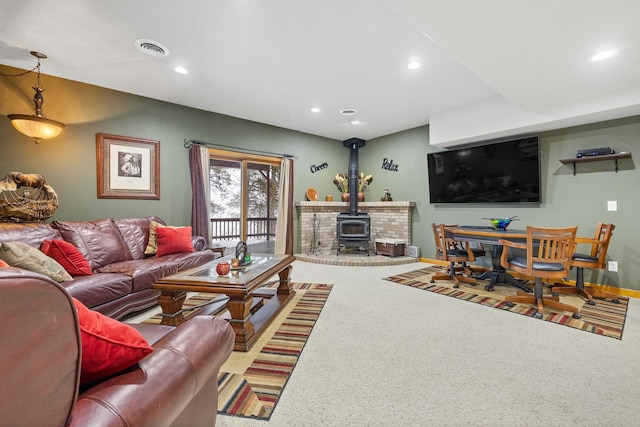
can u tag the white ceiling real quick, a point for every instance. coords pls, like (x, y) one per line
(270, 61)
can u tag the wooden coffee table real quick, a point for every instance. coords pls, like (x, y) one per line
(241, 285)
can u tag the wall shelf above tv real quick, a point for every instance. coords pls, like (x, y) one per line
(586, 159)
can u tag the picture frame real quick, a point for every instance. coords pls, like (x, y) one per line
(127, 167)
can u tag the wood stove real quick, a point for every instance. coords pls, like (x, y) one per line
(353, 229)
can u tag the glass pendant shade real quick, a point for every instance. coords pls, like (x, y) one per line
(36, 127)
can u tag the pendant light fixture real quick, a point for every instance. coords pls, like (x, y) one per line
(36, 126)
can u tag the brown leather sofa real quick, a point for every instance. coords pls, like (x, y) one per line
(175, 385)
(123, 275)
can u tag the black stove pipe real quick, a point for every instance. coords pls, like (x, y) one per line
(353, 144)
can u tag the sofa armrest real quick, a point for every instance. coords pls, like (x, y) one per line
(162, 385)
(199, 243)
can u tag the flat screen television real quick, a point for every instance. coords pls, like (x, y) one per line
(499, 172)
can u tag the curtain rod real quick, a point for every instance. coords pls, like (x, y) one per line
(189, 142)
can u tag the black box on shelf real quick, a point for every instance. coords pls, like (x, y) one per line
(595, 152)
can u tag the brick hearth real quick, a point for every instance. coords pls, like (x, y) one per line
(388, 220)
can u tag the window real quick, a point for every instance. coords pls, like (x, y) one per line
(244, 199)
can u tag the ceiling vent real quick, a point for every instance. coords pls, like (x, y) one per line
(151, 47)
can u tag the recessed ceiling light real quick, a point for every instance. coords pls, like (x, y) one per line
(354, 122)
(603, 55)
(348, 111)
(413, 65)
(180, 70)
(315, 110)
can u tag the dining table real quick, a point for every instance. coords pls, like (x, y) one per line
(490, 236)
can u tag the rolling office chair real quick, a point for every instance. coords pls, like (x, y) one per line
(595, 259)
(548, 256)
(457, 254)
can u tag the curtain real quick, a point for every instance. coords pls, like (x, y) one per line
(200, 197)
(284, 225)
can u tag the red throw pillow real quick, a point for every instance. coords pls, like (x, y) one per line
(173, 240)
(108, 346)
(4, 264)
(68, 256)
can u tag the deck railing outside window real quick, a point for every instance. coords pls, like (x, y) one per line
(229, 228)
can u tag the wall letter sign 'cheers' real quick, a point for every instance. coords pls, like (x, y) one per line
(314, 168)
(387, 164)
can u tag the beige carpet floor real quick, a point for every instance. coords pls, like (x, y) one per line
(382, 354)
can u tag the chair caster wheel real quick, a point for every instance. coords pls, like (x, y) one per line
(576, 316)
(473, 284)
(432, 281)
(538, 315)
(456, 286)
(510, 304)
(615, 301)
(592, 302)
(555, 294)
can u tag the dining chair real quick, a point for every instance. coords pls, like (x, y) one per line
(595, 259)
(548, 253)
(457, 254)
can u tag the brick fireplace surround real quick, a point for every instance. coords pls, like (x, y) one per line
(389, 220)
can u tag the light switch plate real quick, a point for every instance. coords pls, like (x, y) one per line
(612, 205)
(612, 266)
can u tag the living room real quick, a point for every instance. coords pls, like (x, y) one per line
(69, 164)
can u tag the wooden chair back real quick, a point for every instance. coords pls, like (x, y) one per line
(549, 252)
(599, 246)
(448, 249)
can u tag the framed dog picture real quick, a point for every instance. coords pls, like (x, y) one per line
(128, 168)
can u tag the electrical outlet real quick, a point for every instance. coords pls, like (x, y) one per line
(612, 266)
(612, 205)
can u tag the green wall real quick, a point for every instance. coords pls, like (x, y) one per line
(69, 164)
(567, 200)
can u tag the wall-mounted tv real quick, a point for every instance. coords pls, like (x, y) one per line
(499, 172)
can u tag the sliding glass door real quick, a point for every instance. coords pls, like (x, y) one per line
(244, 199)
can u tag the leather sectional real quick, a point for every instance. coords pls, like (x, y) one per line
(43, 350)
(123, 275)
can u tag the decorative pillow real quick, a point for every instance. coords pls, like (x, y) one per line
(108, 346)
(152, 246)
(173, 240)
(67, 256)
(4, 264)
(22, 255)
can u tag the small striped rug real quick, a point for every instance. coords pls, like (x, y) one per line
(605, 318)
(250, 384)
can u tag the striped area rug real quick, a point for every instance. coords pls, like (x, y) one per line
(251, 388)
(605, 318)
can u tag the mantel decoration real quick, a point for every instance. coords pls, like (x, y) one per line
(128, 168)
(36, 126)
(341, 181)
(26, 197)
(364, 181)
